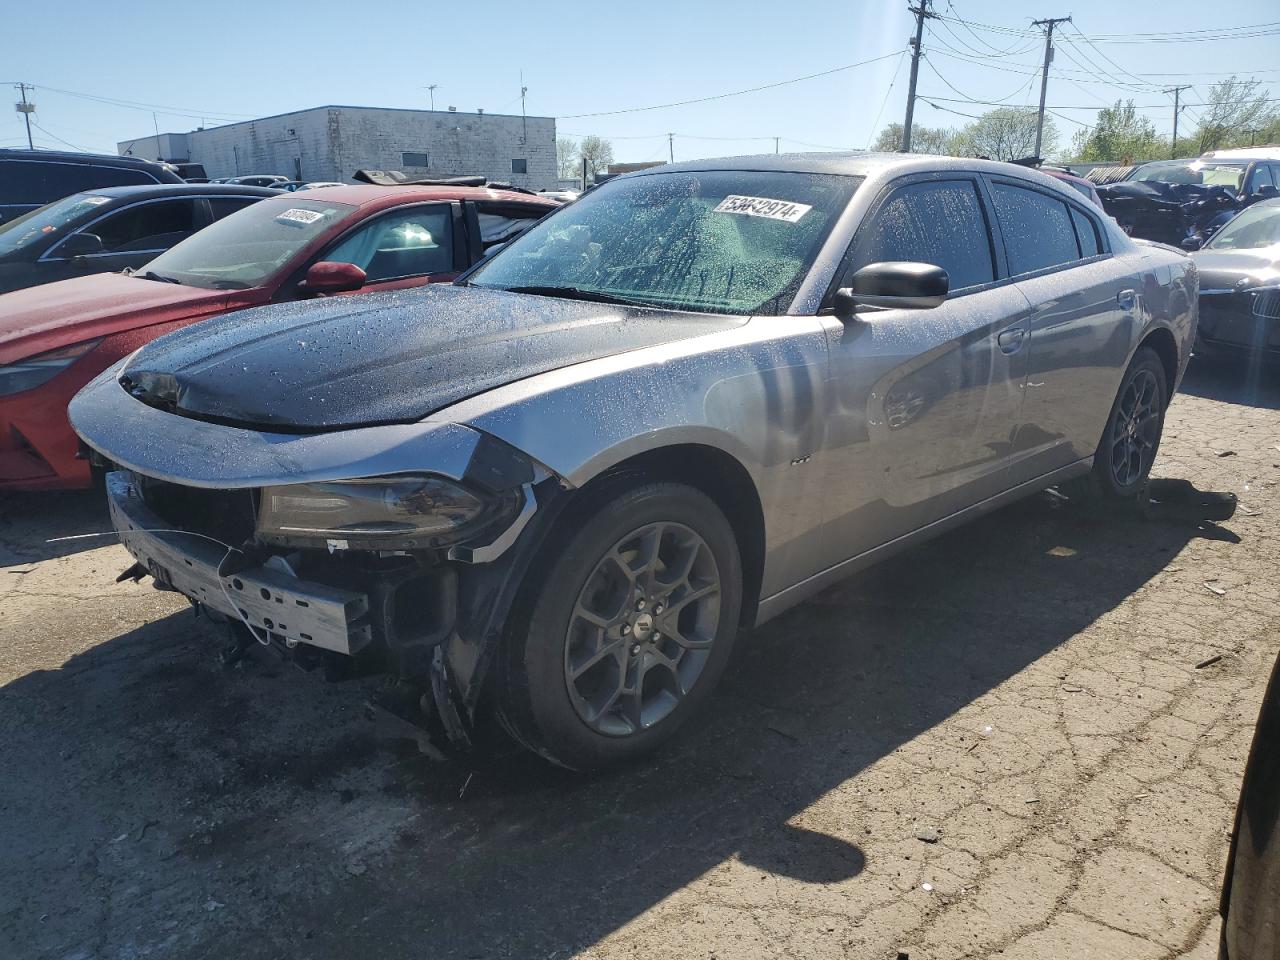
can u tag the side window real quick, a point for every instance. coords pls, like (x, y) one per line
(146, 226)
(501, 223)
(221, 206)
(938, 222)
(406, 243)
(28, 182)
(1037, 229)
(1086, 233)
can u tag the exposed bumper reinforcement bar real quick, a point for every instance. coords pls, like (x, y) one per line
(272, 601)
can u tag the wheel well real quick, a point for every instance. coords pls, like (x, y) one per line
(1161, 341)
(725, 480)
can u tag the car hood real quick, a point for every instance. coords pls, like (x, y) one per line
(1225, 269)
(385, 358)
(54, 315)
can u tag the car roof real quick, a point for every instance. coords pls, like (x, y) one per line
(149, 190)
(850, 164)
(67, 156)
(368, 194)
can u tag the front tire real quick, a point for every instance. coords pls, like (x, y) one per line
(629, 630)
(1131, 439)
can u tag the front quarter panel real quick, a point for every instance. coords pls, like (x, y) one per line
(755, 393)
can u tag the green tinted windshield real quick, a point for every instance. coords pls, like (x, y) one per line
(52, 218)
(1252, 228)
(245, 248)
(717, 241)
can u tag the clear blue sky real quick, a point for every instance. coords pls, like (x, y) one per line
(238, 60)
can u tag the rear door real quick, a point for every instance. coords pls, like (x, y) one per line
(926, 402)
(491, 224)
(1084, 304)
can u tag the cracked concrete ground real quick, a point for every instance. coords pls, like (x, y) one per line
(1026, 687)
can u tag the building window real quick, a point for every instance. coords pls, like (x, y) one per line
(520, 166)
(414, 160)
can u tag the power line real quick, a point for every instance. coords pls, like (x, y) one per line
(734, 93)
(885, 102)
(66, 143)
(1005, 99)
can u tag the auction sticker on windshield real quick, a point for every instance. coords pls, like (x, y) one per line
(304, 217)
(763, 207)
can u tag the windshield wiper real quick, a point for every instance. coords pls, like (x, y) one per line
(152, 275)
(577, 293)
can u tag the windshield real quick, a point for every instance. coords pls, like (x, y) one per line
(720, 241)
(1206, 172)
(50, 219)
(1257, 226)
(245, 248)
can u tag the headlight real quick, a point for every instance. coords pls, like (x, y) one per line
(410, 511)
(35, 371)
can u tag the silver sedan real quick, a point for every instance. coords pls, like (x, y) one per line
(684, 403)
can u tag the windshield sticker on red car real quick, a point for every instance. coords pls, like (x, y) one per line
(763, 207)
(303, 217)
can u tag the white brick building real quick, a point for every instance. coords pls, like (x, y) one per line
(331, 143)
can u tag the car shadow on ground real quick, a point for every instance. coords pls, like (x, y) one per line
(166, 805)
(1240, 380)
(33, 525)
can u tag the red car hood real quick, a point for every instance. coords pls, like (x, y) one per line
(56, 315)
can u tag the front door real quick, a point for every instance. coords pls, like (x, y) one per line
(925, 402)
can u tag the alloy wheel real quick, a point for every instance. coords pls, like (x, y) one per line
(1135, 432)
(642, 628)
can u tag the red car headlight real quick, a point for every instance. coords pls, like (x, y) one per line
(35, 371)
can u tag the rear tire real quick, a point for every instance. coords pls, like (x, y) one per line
(1131, 439)
(628, 632)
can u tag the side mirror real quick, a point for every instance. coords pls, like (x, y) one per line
(1192, 243)
(80, 245)
(1267, 191)
(332, 276)
(897, 283)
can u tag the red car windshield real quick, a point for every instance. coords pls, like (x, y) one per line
(244, 249)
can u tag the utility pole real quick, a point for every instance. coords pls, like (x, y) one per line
(776, 141)
(524, 121)
(1048, 24)
(922, 13)
(431, 90)
(671, 147)
(1177, 94)
(26, 109)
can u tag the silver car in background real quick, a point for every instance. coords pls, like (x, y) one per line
(686, 402)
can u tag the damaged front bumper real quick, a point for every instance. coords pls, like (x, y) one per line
(268, 598)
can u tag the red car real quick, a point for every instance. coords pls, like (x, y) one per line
(1079, 184)
(57, 337)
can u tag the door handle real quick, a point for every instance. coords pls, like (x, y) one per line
(1127, 299)
(1011, 340)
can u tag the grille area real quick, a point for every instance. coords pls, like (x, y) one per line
(227, 515)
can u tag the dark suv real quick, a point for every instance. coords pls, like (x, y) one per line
(32, 178)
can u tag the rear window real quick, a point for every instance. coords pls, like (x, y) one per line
(1037, 229)
(38, 182)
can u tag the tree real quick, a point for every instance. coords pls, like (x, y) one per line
(597, 151)
(1120, 135)
(1006, 133)
(935, 140)
(566, 158)
(1233, 108)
